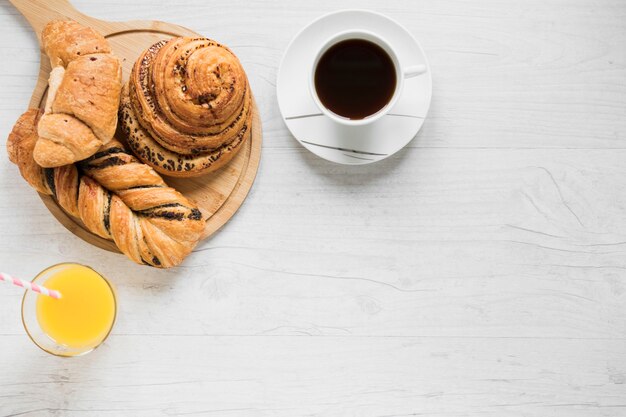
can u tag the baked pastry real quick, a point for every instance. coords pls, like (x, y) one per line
(187, 108)
(83, 94)
(115, 196)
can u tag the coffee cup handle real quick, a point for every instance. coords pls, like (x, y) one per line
(414, 71)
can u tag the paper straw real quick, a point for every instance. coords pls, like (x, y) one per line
(29, 286)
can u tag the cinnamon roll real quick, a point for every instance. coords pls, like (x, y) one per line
(187, 108)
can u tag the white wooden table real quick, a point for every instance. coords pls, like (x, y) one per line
(481, 271)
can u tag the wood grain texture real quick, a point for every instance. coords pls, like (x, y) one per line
(479, 272)
(218, 194)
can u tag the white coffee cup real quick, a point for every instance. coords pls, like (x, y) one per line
(401, 74)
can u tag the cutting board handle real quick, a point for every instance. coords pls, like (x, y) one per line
(40, 12)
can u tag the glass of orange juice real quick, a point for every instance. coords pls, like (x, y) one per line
(77, 323)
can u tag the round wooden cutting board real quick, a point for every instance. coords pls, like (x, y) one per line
(218, 194)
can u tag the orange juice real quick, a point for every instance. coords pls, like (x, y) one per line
(85, 313)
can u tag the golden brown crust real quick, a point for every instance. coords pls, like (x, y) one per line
(93, 206)
(166, 161)
(66, 182)
(90, 91)
(170, 224)
(117, 198)
(126, 231)
(189, 102)
(85, 83)
(66, 40)
(63, 139)
(20, 144)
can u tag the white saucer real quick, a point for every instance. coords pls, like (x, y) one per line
(335, 142)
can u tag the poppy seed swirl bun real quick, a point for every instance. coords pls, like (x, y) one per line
(187, 107)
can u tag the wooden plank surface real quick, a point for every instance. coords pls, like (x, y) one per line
(481, 271)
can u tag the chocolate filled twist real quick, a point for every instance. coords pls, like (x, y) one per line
(116, 197)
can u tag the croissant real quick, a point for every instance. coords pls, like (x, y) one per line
(115, 196)
(187, 108)
(83, 95)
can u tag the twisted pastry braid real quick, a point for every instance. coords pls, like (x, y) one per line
(117, 198)
(83, 95)
(188, 106)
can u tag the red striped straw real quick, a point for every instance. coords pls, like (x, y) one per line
(29, 286)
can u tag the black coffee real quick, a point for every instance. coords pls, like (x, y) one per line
(355, 78)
